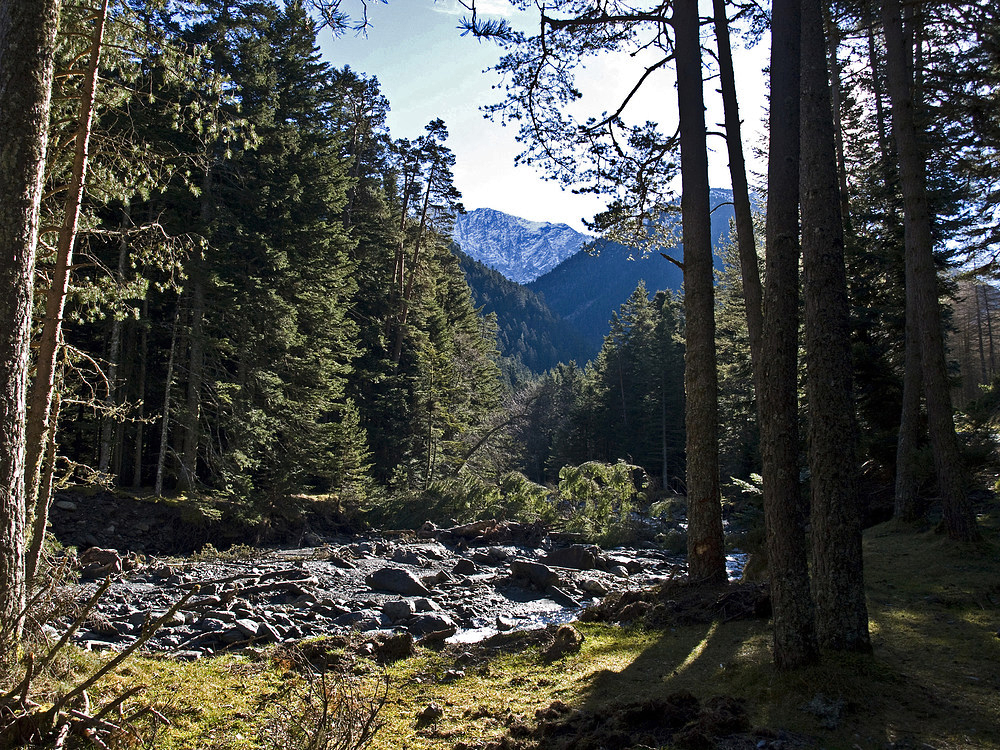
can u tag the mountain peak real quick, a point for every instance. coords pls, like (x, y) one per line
(520, 249)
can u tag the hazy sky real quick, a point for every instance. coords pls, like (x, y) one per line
(426, 69)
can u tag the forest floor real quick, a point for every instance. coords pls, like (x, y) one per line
(933, 680)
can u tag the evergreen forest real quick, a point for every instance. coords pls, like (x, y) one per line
(229, 293)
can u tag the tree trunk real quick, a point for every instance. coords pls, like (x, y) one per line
(27, 45)
(36, 539)
(706, 552)
(161, 456)
(397, 348)
(907, 502)
(777, 402)
(838, 581)
(875, 65)
(746, 243)
(958, 515)
(110, 425)
(191, 428)
(40, 403)
(141, 396)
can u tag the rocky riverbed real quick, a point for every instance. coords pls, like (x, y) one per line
(435, 586)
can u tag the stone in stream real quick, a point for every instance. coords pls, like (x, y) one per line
(464, 567)
(432, 623)
(578, 556)
(539, 575)
(593, 586)
(397, 610)
(397, 581)
(559, 596)
(407, 557)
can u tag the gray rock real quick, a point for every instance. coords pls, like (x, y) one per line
(578, 556)
(65, 505)
(538, 574)
(268, 634)
(351, 618)
(249, 628)
(223, 615)
(407, 557)
(367, 624)
(397, 610)
(593, 586)
(397, 581)
(464, 567)
(432, 623)
(234, 635)
(559, 596)
(209, 624)
(424, 604)
(435, 579)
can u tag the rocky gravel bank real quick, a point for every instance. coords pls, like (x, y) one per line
(463, 583)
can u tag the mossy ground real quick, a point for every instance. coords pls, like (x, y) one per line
(933, 680)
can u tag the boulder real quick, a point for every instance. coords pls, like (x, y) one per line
(593, 586)
(397, 610)
(407, 557)
(433, 623)
(578, 556)
(464, 567)
(537, 574)
(559, 596)
(396, 581)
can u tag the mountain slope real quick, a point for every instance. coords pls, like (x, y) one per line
(521, 250)
(588, 287)
(529, 334)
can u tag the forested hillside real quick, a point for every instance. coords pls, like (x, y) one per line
(531, 338)
(266, 302)
(587, 287)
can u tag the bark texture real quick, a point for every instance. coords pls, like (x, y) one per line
(742, 208)
(43, 385)
(27, 44)
(706, 553)
(794, 626)
(921, 279)
(838, 582)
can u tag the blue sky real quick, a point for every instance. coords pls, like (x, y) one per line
(426, 69)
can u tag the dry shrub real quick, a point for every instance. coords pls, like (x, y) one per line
(325, 708)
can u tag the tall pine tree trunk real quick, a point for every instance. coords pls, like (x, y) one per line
(27, 45)
(907, 502)
(191, 427)
(161, 456)
(407, 296)
(40, 403)
(706, 552)
(141, 396)
(791, 600)
(838, 581)
(958, 515)
(746, 243)
(110, 425)
(191, 424)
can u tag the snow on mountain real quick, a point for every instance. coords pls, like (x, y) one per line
(521, 250)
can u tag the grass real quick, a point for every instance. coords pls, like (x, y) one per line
(934, 676)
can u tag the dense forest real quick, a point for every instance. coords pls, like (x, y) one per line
(223, 276)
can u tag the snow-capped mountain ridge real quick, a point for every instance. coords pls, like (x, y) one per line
(520, 249)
